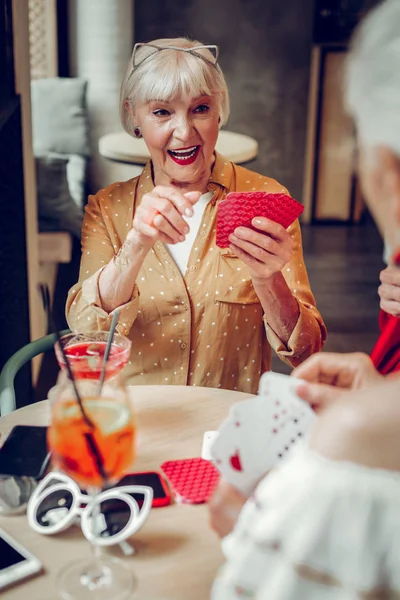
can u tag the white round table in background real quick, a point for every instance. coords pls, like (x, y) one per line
(122, 147)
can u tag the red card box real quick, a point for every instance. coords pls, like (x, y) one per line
(192, 479)
(239, 209)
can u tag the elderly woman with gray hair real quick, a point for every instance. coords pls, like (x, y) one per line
(196, 314)
(325, 525)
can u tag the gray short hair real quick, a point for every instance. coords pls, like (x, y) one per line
(373, 77)
(169, 74)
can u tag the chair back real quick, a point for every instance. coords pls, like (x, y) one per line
(14, 364)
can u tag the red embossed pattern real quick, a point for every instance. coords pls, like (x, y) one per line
(193, 479)
(239, 208)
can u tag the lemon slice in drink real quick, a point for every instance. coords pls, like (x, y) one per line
(106, 415)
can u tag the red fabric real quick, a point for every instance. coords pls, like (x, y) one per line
(386, 353)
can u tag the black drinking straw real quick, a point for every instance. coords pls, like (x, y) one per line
(89, 436)
(108, 348)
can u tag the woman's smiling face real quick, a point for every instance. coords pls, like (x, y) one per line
(181, 135)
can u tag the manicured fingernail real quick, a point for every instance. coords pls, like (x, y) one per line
(186, 229)
(189, 212)
(182, 238)
(233, 238)
(257, 221)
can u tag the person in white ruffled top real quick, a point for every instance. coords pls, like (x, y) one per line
(325, 525)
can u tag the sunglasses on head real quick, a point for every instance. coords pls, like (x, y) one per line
(194, 51)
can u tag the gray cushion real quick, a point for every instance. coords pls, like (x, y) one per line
(59, 118)
(76, 176)
(57, 210)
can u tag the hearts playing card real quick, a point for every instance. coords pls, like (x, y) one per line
(232, 454)
(239, 209)
(260, 431)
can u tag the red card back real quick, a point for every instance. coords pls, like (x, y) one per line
(239, 209)
(192, 479)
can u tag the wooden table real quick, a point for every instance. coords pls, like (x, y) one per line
(122, 147)
(177, 555)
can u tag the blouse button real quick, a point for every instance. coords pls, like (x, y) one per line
(193, 268)
(202, 233)
(183, 346)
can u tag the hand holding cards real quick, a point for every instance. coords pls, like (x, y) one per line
(240, 208)
(260, 431)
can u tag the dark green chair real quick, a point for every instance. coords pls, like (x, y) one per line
(14, 364)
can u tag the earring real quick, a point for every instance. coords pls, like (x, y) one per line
(219, 120)
(137, 132)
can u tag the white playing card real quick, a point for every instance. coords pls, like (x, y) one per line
(281, 391)
(260, 431)
(262, 422)
(231, 454)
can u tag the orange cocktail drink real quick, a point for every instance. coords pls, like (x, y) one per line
(71, 438)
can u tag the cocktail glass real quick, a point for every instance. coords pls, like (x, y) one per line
(93, 441)
(85, 354)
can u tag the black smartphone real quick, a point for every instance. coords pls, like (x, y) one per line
(161, 493)
(24, 452)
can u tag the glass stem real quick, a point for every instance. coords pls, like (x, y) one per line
(96, 512)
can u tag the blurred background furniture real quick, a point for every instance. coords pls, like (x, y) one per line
(122, 147)
(8, 400)
(60, 135)
(331, 191)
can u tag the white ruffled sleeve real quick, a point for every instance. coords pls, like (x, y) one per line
(316, 529)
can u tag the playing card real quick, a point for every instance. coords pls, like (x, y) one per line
(231, 453)
(261, 422)
(240, 208)
(260, 431)
(296, 415)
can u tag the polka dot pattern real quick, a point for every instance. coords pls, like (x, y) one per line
(203, 328)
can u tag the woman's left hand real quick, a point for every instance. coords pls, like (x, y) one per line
(265, 251)
(224, 507)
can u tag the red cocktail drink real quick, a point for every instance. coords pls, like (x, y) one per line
(85, 354)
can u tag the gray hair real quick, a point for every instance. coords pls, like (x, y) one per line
(169, 74)
(373, 77)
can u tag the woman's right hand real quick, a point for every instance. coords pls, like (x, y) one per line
(327, 375)
(389, 290)
(159, 217)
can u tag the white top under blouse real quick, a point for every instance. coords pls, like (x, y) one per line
(181, 252)
(316, 529)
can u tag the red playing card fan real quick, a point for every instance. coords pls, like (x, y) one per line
(192, 479)
(239, 209)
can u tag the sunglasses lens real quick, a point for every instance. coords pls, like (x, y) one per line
(115, 516)
(54, 508)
